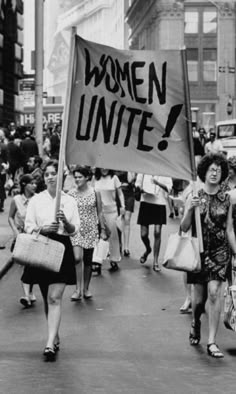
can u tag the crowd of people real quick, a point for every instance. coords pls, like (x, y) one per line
(92, 201)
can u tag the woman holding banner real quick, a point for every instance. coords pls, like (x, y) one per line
(109, 187)
(215, 211)
(40, 217)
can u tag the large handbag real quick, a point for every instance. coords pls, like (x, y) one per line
(36, 250)
(182, 253)
(230, 304)
(100, 251)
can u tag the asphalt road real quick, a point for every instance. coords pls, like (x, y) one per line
(130, 338)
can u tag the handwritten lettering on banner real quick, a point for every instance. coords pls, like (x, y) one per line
(127, 110)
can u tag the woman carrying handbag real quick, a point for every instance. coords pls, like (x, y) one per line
(40, 217)
(215, 211)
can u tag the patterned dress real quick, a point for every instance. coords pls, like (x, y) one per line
(87, 236)
(216, 256)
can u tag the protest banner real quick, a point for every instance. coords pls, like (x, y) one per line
(128, 111)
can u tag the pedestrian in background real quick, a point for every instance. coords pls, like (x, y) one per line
(16, 219)
(152, 211)
(215, 210)
(90, 212)
(109, 187)
(40, 217)
(127, 180)
(214, 145)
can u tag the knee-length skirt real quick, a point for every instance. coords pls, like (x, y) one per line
(67, 273)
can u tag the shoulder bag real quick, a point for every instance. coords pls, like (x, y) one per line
(230, 303)
(182, 253)
(36, 250)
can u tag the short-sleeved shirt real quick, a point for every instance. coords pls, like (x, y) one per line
(107, 186)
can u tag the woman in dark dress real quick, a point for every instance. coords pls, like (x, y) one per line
(40, 217)
(215, 211)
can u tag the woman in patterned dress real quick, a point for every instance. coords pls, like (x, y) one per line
(215, 210)
(90, 212)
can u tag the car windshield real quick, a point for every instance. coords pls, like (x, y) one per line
(225, 131)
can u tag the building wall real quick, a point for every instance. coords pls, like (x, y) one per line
(11, 57)
(207, 29)
(102, 21)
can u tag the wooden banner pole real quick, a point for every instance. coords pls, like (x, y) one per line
(65, 121)
(190, 138)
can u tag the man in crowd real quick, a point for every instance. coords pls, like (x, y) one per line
(214, 145)
(34, 168)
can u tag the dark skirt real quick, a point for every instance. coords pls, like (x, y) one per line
(151, 214)
(67, 273)
(128, 197)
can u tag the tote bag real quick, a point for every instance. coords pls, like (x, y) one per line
(230, 304)
(38, 251)
(182, 253)
(100, 251)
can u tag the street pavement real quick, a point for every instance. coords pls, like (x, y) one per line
(130, 338)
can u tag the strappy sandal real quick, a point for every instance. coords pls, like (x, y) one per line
(156, 268)
(214, 353)
(49, 354)
(144, 257)
(195, 333)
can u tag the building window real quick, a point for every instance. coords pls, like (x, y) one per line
(191, 22)
(192, 61)
(209, 21)
(209, 65)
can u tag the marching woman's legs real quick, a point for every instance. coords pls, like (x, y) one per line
(78, 254)
(52, 302)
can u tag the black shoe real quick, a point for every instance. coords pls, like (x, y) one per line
(49, 354)
(171, 215)
(126, 253)
(114, 266)
(195, 333)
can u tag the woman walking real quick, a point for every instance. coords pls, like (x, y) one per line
(90, 213)
(40, 217)
(127, 180)
(16, 219)
(215, 211)
(109, 186)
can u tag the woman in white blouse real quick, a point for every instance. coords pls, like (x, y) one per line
(40, 216)
(152, 211)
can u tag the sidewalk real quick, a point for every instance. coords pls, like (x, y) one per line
(6, 238)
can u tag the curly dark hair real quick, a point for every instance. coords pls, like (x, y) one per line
(208, 160)
(84, 170)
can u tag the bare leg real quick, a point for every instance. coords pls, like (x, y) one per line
(55, 293)
(78, 254)
(187, 303)
(198, 306)
(156, 246)
(214, 293)
(145, 238)
(127, 230)
(88, 254)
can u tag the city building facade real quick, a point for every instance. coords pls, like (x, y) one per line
(207, 30)
(11, 58)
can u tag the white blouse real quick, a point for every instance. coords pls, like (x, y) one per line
(41, 211)
(153, 193)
